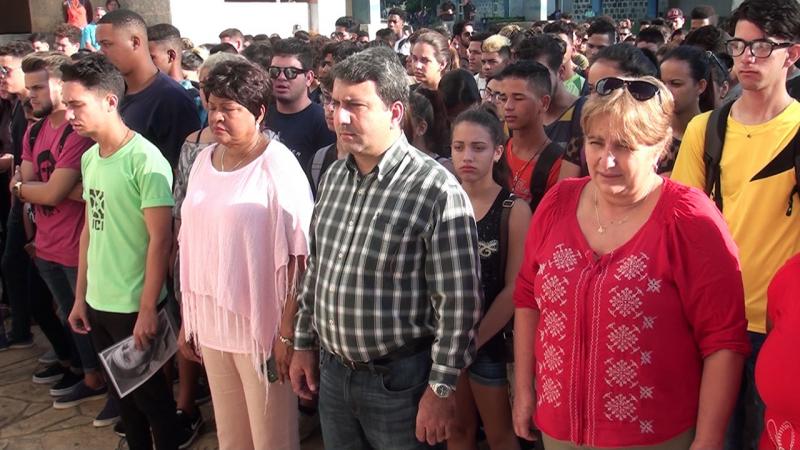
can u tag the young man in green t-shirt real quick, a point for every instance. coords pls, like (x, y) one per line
(125, 242)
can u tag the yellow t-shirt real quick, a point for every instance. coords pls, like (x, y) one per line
(754, 210)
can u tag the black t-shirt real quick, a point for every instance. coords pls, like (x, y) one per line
(445, 9)
(469, 12)
(164, 113)
(303, 133)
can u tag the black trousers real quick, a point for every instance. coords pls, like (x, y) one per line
(150, 407)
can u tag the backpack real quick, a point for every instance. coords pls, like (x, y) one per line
(508, 329)
(541, 172)
(788, 158)
(323, 158)
(37, 127)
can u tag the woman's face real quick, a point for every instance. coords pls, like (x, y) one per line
(230, 122)
(427, 69)
(473, 152)
(600, 69)
(617, 166)
(685, 90)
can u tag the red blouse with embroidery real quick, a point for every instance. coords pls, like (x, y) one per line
(622, 337)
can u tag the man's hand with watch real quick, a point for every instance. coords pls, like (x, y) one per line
(437, 413)
(16, 189)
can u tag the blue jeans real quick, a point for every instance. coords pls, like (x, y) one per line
(362, 410)
(747, 423)
(61, 281)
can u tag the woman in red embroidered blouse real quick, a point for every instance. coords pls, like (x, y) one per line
(630, 305)
(778, 365)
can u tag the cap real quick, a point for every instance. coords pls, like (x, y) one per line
(674, 13)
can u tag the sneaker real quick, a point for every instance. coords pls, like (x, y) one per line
(50, 374)
(80, 394)
(109, 415)
(189, 427)
(119, 429)
(202, 394)
(20, 343)
(67, 384)
(49, 357)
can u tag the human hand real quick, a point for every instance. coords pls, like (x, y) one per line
(79, 318)
(304, 373)
(146, 328)
(436, 417)
(187, 348)
(283, 353)
(522, 415)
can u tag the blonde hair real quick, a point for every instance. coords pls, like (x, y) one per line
(495, 43)
(509, 30)
(634, 122)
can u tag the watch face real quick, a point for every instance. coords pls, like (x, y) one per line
(442, 390)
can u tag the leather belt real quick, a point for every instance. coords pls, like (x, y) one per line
(377, 365)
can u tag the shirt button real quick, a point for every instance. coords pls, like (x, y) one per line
(341, 255)
(330, 322)
(361, 192)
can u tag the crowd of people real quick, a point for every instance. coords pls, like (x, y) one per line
(571, 233)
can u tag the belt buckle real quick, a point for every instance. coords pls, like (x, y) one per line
(349, 364)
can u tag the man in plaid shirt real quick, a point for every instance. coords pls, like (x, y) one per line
(392, 291)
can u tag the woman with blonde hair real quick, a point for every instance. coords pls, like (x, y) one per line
(629, 301)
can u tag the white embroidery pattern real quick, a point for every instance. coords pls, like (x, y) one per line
(646, 392)
(487, 249)
(565, 258)
(620, 407)
(647, 358)
(553, 357)
(550, 392)
(621, 373)
(554, 290)
(626, 302)
(653, 285)
(646, 427)
(555, 324)
(648, 322)
(776, 435)
(632, 267)
(623, 338)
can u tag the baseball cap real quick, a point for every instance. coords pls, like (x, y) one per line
(674, 13)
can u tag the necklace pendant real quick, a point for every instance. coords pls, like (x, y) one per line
(601, 230)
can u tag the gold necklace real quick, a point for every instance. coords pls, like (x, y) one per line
(246, 154)
(515, 179)
(600, 228)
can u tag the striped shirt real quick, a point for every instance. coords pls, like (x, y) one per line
(393, 258)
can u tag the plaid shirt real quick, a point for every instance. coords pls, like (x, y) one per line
(394, 257)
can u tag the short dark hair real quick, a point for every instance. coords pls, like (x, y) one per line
(190, 60)
(224, 47)
(241, 81)
(349, 23)
(233, 33)
(124, 18)
(95, 72)
(458, 87)
(651, 35)
(344, 49)
(379, 65)
(603, 27)
(68, 31)
(561, 27)
(48, 61)
(297, 48)
(547, 45)
(777, 18)
(259, 53)
(37, 37)
(632, 62)
(537, 76)
(399, 12)
(459, 27)
(385, 34)
(479, 36)
(709, 38)
(703, 12)
(303, 35)
(164, 32)
(16, 49)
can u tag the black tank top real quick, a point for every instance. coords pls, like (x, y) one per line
(492, 280)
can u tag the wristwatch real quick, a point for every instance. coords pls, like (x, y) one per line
(442, 390)
(17, 188)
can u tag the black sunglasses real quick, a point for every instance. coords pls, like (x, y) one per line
(639, 89)
(289, 72)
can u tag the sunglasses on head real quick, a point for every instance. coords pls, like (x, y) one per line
(639, 89)
(289, 72)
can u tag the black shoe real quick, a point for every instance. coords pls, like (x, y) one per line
(67, 384)
(20, 343)
(119, 429)
(50, 374)
(80, 394)
(108, 415)
(189, 428)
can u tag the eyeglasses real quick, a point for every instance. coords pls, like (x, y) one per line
(760, 48)
(639, 89)
(289, 72)
(716, 60)
(326, 98)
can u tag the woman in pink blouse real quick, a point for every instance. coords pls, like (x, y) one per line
(630, 305)
(243, 241)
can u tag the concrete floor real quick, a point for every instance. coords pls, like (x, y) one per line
(28, 421)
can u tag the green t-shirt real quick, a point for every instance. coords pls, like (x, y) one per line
(116, 190)
(575, 84)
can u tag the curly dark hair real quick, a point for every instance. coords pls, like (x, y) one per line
(16, 49)
(94, 71)
(777, 18)
(547, 45)
(297, 48)
(241, 81)
(259, 53)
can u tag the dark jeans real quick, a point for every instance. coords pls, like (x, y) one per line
(61, 280)
(150, 406)
(747, 423)
(27, 294)
(369, 410)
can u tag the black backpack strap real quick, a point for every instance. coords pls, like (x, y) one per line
(575, 126)
(712, 153)
(34, 133)
(796, 190)
(505, 220)
(541, 172)
(63, 140)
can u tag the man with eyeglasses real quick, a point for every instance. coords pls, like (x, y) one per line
(298, 122)
(754, 186)
(396, 21)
